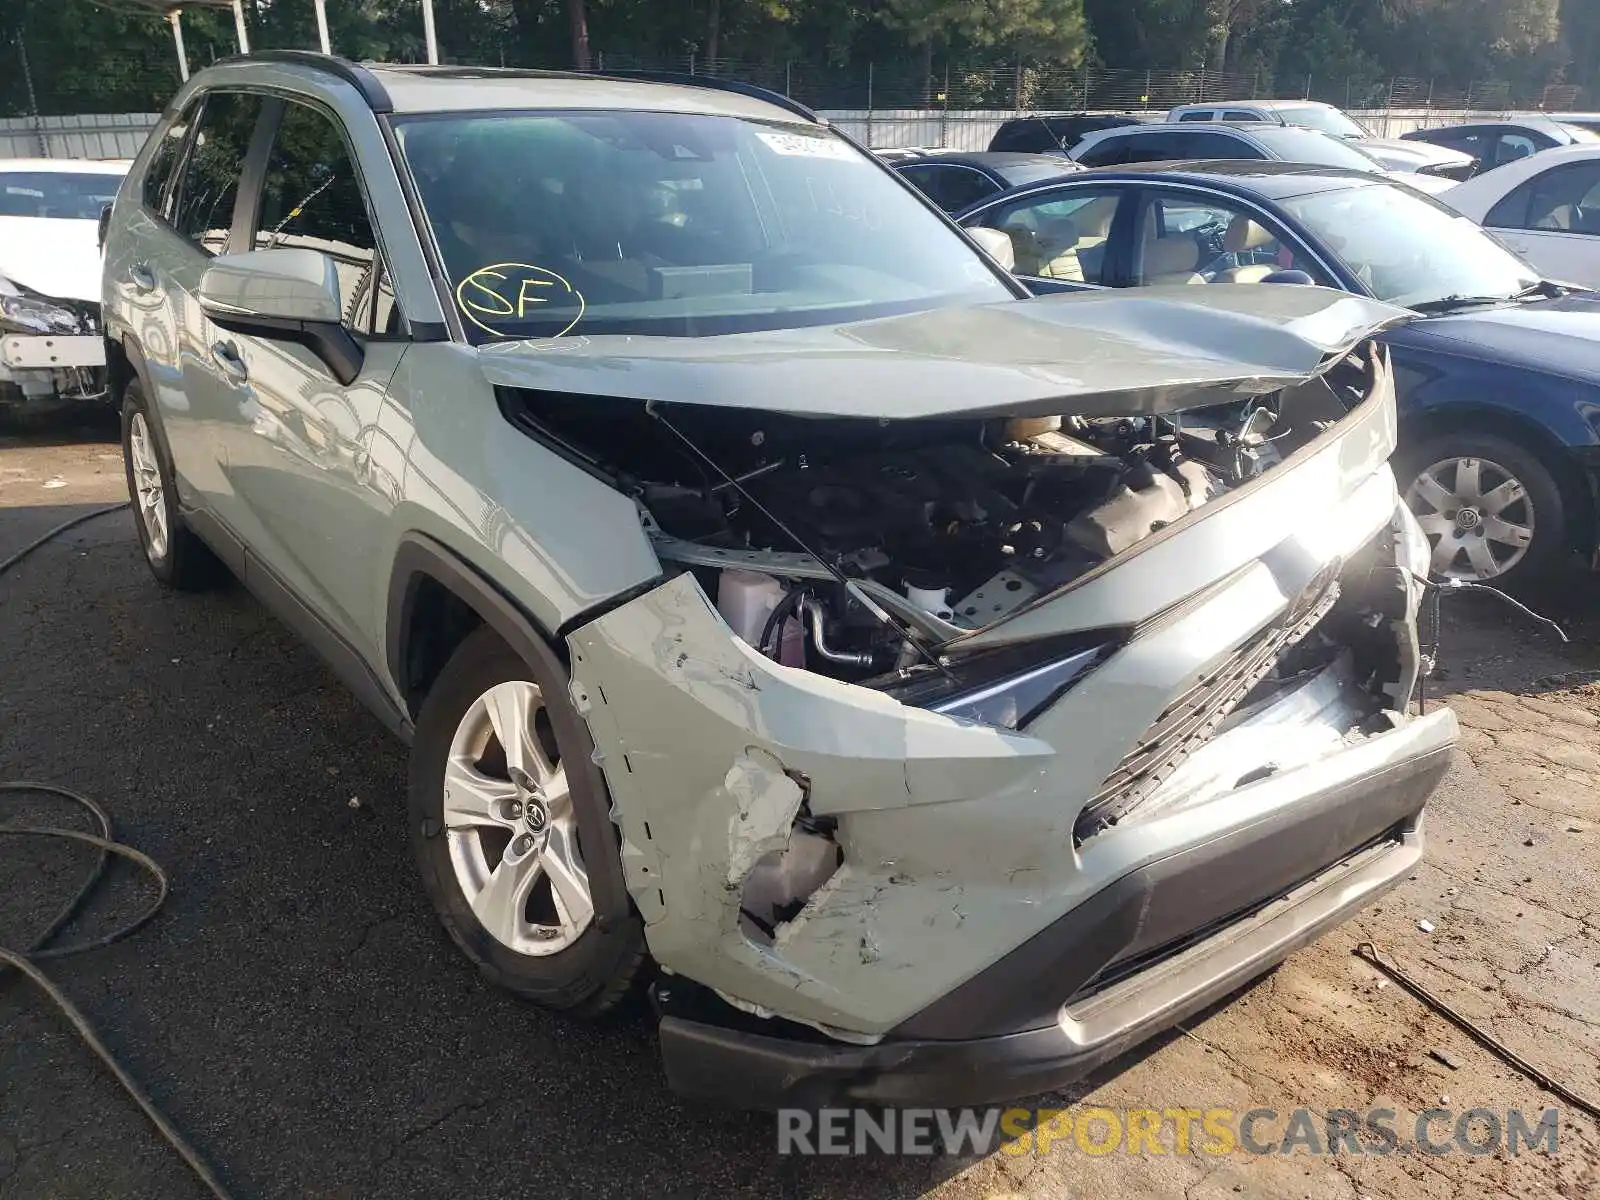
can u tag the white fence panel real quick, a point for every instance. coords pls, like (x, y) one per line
(111, 135)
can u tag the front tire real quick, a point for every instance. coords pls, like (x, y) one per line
(516, 851)
(1492, 511)
(177, 558)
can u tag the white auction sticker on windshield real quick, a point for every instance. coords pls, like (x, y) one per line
(805, 145)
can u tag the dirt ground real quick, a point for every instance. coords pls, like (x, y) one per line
(299, 1013)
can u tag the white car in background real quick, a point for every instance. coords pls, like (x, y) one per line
(1394, 154)
(50, 332)
(1545, 208)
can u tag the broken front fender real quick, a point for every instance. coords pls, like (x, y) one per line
(710, 749)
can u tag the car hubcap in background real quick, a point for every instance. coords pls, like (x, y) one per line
(148, 498)
(512, 833)
(1477, 515)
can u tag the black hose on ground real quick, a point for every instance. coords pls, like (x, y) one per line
(42, 948)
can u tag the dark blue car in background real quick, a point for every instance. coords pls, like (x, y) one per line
(1498, 377)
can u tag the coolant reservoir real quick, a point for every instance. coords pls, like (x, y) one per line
(746, 599)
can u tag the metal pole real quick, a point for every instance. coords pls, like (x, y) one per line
(176, 19)
(33, 99)
(238, 27)
(427, 32)
(869, 105)
(944, 116)
(1085, 86)
(322, 27)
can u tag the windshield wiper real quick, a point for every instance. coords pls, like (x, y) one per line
(1452, 303)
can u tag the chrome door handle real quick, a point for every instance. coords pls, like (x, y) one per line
(143, 277)
(226, 356)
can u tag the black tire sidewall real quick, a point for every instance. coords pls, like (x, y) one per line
(597, 969)
(1552, 536)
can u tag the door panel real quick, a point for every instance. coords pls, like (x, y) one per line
(189, 226)
(1553, 220)
(298, 442)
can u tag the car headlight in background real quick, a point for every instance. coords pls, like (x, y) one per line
(29, 315)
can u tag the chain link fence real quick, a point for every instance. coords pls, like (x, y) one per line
(102, 109)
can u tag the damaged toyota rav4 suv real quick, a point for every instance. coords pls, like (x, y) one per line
(933, 689)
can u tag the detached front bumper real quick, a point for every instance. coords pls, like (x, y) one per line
(42, 366)
(1150, 949)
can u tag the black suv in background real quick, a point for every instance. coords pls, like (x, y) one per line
(1055, 134)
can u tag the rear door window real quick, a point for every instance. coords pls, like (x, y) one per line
(1062, 235)
(1213, 143)
(208, 191)
(954, 188)
(158, 176)
(1565, 199)
(1134, 148)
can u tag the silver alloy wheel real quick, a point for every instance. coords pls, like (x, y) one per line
(150, 497)
(1478, 517)
(512, 832)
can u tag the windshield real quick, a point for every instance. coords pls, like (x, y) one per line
(1407, 249)
(59, 194)
(674, 224)
(1309, 146)
(1017, 175)
(1329, 120)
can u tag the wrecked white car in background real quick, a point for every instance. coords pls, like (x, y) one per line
(50, 341)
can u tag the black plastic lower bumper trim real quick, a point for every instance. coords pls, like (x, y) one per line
(736, 1062)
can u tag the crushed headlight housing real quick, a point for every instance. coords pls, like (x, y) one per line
(27, 314)
(1007, 687)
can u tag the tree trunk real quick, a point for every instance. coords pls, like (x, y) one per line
(1219, 49)
(713, 32)
(579, 16)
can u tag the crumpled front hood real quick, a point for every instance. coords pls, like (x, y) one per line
(1122, 353)
(1560, 336)
(55, 258)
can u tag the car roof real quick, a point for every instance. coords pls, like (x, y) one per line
(74, 166)
(1515, 121)
(988, 158)
(1261, 177)
(1268, 105)
(1152, 127)
(416, 89)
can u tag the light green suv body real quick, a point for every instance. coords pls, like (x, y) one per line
(943, 687)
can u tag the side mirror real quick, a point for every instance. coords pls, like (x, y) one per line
(1294, 277)
(289, 295)
(102, 228)
(996, 244)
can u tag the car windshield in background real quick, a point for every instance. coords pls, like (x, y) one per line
(57, 194)
(1309, 146)
(1408, 250)
(1329, 120)
(673, 224)
(1016, 176)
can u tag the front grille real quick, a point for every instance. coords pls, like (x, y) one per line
(1190, 720)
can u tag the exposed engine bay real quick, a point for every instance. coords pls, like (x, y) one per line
(856, 547)
(869, 551)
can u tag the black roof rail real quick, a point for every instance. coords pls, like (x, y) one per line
(356, 75)
(684, 79)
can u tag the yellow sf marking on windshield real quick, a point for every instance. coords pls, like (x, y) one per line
(505, 291)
